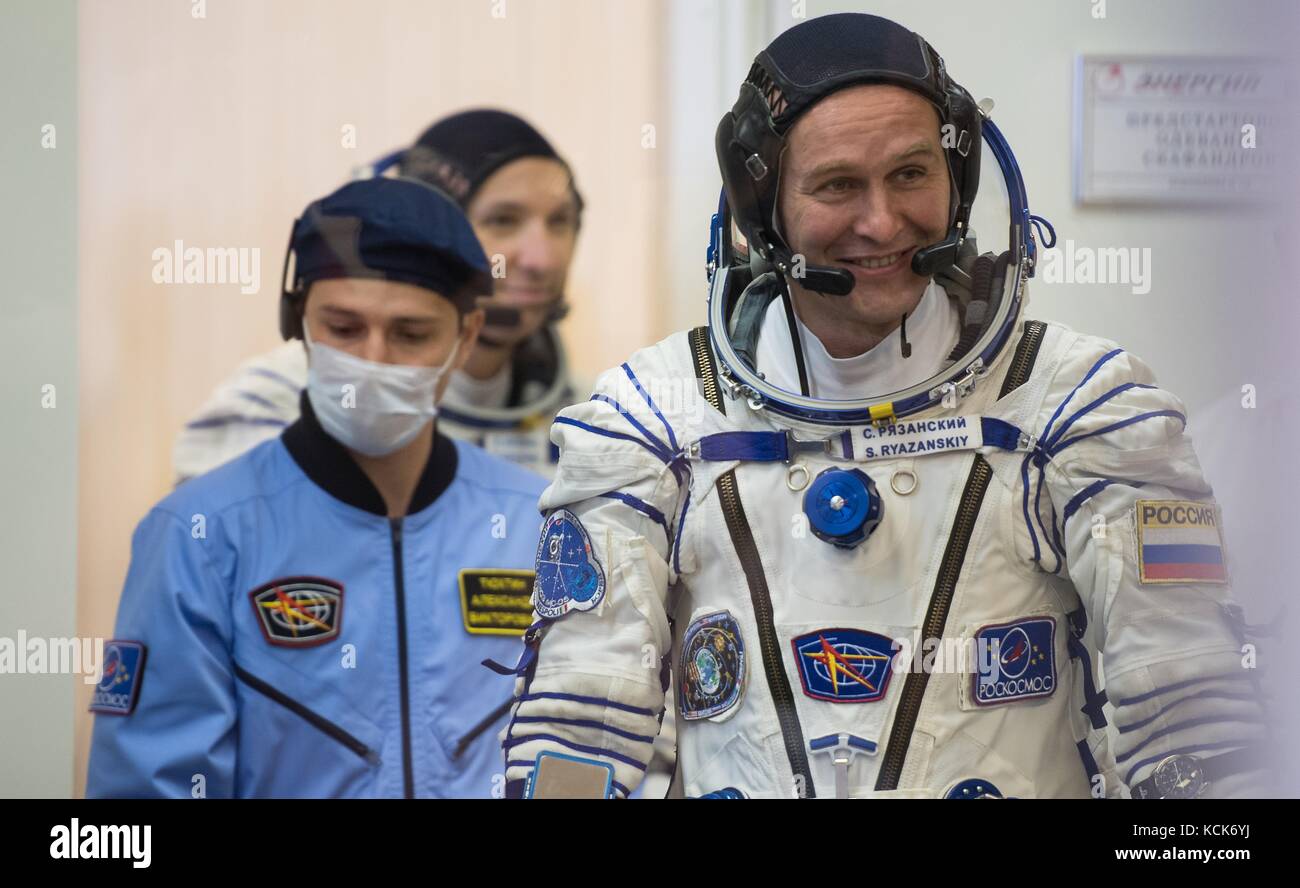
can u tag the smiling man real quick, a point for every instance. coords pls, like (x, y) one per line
(309, 619)
(888, 461)
(864, 187)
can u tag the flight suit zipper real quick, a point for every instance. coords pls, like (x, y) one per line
(408, 778)
(316, 720)
(475, 732)
(954, 555)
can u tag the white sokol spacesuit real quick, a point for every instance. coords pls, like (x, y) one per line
(903, 597)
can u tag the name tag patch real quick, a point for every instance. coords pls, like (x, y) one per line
(914, 437)
(1179, 542)
(496, 601)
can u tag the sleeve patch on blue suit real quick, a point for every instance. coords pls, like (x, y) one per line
(119, 684)
(568, 575)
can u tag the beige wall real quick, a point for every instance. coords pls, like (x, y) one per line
(217, 131)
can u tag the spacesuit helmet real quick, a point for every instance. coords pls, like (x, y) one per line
(751, 261)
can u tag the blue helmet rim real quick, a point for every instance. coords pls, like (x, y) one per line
(744, 382)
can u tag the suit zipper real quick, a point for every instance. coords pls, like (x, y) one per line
(317, 721)
(408, 778)
(936, 616)
(1026, 354)
(954, 555)
(473, 733)
(742, 540)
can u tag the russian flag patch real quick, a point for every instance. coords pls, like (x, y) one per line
(1179, 542)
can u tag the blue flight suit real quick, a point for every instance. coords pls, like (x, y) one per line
(285, 638)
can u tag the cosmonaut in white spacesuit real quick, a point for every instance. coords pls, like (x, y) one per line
(882, 548)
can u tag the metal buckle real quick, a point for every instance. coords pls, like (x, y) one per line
(842, 749)
(962, 386)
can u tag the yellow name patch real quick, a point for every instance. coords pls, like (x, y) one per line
(496, 601)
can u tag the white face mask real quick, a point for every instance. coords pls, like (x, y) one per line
(375, 409)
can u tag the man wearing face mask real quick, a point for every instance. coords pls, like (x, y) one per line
(310, 618)
(520, 198)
